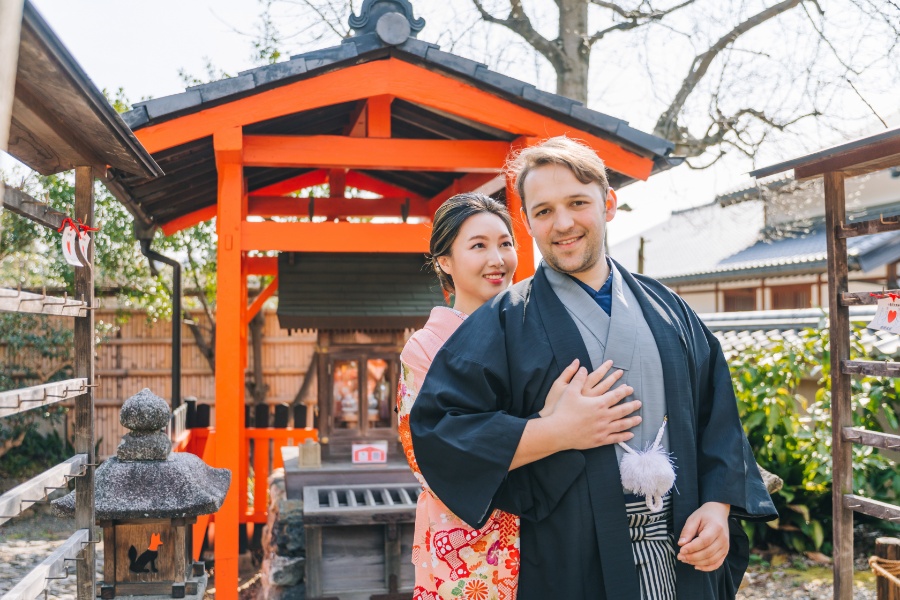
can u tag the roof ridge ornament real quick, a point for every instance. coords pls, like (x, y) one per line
(391, 20)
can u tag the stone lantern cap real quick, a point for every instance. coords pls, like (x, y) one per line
(145, 480)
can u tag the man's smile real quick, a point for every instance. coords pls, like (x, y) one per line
(568, 241)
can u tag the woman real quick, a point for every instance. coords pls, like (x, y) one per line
(474, 256)
(472, 251)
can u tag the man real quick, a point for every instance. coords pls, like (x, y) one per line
(481, 444)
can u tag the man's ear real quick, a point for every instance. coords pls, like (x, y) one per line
(526, 221)
(612, 203)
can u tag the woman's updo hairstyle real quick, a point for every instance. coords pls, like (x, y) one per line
(448, 220)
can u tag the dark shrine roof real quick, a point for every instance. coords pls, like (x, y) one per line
(60, 119)
(191, 180)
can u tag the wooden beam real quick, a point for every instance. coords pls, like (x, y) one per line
(331, 151)
(267, 205)
(400, 79)
(865, 298)
(24, 205)
(336, 237)
(230, 307)
(293, 184)
(56, 566)
(337, 182)
(258, 302)
(363, 181)
(357, 126)
(22, 497)
(189, 220)
(261, 265)
(281, 206)
(473, 182)
(867, 227)
(857, 161)
(378, 116)
(873, 508)
(40, 304)
(876, 439)
(16, 401)
(872, 368)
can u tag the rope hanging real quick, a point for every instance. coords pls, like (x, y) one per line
(887, 568)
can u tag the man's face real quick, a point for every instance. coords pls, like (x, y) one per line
(567, 218)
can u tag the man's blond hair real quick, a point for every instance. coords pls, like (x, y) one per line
(576, 156)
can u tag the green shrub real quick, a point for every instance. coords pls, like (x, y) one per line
(791, 434)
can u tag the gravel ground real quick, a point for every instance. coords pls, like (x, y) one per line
(29, 539)
(25, 541)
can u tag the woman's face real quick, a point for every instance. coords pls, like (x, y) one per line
(482, 260)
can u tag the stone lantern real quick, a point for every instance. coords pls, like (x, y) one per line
(146, 499)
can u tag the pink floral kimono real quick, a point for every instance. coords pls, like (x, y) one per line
(451, 559)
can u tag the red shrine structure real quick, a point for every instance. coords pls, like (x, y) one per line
(384, 113)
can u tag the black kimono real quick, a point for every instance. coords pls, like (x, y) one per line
(493, 375)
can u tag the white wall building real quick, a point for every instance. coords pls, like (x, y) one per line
(763, 247)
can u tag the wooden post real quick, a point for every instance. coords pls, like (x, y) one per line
(84, 404)
(10, 26)
(888, 548)
(841, 416)
(517, 212)
(230, 305)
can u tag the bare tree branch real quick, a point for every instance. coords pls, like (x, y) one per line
(635, 18)
(518, 22)
(866, 102)
(825, 40)
(666, 125)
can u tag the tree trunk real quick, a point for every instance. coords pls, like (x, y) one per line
(572, 75)
(256, 386)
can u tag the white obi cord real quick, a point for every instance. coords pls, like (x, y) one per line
(649, 472)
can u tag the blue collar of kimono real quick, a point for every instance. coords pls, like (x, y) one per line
(603, 296)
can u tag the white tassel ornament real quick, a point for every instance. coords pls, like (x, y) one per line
(649, 473)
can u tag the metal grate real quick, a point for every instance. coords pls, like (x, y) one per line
(358, 501)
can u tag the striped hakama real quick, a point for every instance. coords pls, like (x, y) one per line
(653, 546)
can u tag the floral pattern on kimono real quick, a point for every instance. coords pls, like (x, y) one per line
(451, 559)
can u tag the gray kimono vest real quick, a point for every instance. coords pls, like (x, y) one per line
(625, 338)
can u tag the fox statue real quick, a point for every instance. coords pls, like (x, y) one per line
(139, 563)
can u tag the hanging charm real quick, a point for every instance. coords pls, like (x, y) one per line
(887, 313)
(649, 473)
(74, 232)
(69, 239)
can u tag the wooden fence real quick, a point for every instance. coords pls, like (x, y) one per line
(136, 353)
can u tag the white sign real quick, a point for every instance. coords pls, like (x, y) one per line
(370, 452)
(887, 317)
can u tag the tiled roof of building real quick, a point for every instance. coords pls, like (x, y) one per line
(715, 243)
(739, 331)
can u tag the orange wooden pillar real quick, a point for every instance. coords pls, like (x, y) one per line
(230, 306)
(514, 205)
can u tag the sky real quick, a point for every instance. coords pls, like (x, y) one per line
(141, 47)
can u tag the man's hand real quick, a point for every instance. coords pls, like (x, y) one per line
(588, 415)
(704, 539)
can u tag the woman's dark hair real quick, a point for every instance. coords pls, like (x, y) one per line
(449, 218)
